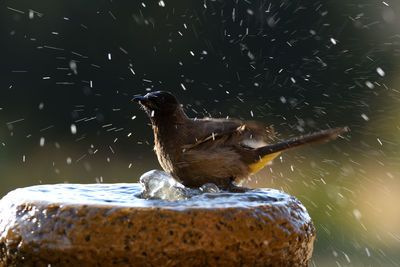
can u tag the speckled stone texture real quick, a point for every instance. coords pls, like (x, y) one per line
(40, 232)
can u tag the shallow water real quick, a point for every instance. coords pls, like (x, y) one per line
(156, 190)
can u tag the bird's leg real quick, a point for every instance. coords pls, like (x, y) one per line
(237, 189)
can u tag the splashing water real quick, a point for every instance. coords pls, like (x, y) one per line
(160, 185)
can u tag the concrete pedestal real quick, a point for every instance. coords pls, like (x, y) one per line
(107, 225)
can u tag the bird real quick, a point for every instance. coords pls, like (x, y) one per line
(214, 150)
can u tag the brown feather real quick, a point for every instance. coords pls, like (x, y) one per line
(220, 151)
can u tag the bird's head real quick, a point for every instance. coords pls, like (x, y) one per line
(158, 103)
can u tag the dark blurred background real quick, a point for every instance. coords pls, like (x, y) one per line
(69, 69)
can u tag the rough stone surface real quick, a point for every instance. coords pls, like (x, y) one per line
(75, 225)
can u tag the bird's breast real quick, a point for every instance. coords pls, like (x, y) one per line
(164, 157)
(167, 152)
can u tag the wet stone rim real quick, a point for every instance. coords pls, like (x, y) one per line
(43, 231)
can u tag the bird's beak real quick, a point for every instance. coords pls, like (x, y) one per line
(138, 99)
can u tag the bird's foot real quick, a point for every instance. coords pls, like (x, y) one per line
(237, 189)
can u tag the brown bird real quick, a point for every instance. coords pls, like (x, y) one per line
(219, 151)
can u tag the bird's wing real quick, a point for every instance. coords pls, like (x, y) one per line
(258, 134)
(217, 138)
(228, 132)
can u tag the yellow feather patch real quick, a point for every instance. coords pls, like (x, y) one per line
(255, 167)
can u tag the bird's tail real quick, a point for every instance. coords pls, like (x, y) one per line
(267, 153)
(318, 137)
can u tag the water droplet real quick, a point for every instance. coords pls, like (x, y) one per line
(41, 141)
(369, 85)
(357, 214)
(365, 117)
(73, 129)
(380, 72)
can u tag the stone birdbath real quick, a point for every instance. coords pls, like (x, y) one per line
(155, 223)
